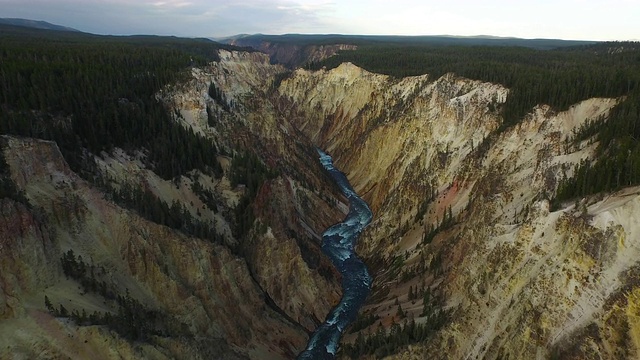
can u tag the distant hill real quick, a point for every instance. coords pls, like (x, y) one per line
(294, 50)
(359, 40)
(35, 24)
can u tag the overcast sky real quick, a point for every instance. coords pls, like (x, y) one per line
(564, 19)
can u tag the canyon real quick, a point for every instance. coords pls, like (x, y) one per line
(517, 276)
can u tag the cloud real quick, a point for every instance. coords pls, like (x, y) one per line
(272, 17)
(172, 4)
(582, 19)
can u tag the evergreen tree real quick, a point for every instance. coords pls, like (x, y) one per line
(48, 305)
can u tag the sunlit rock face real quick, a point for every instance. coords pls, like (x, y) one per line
(521, 279)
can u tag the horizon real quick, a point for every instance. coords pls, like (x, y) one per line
(585, 20)
(220, 38)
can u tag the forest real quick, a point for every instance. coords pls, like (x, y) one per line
(303, 40)
(559, 77)
(91, 94)
(8, 188)
(94, 93)
(406, 331)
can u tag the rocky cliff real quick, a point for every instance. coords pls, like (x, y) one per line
(292, 55)
(421, 150)
(251, 296)
(201, 286)
(296, 206)
(521, 280)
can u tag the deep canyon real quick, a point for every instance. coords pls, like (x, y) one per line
(460, 208)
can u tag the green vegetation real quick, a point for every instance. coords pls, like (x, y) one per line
(618, 163)
(247, 170)
(218, 96)
(85, 274)
(205, 195)
(560, 77)
(176, 216)
(95, 93)
(300, 40)
(363, 321)
(90, 94)
(447, 223)
(279, 78)
(382, 343)
(132, 320)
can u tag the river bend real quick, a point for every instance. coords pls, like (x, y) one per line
(338, 244)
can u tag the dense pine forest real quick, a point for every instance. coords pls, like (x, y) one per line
(378, 41)
(95, 93)
(558, 77)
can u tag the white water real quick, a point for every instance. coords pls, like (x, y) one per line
(338, 243)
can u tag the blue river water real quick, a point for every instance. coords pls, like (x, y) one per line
(338, 244)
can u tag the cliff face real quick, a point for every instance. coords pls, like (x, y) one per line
(295, 207)
(291, 55)
(256, 302)
(520, 280)
(421, 149)
(199, 285)
(400, 141)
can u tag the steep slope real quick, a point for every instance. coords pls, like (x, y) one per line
(400, 141)
(199, 285)
(296, 206)
(274, 275)
(255, 293)
(291, 54)
(519, 280)
(461, 210)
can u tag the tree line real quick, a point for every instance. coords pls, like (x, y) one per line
(381, 343)
(249, 171)
(617, 163)
(152, 208)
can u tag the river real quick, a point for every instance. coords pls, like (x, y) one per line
(338, 244)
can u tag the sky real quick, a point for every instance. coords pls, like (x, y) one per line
(559, 19)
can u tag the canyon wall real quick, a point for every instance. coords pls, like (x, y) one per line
(518, 276)
(520, 279)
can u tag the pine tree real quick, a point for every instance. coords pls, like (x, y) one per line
(48, 305)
